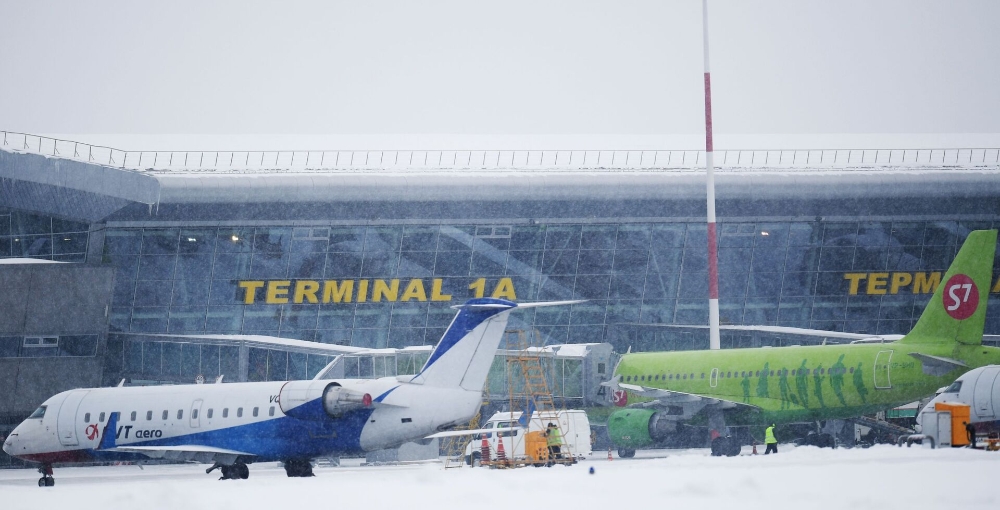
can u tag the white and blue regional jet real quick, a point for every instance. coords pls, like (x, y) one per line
(232, 425)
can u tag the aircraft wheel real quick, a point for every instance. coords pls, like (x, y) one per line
(626, 453)
(732, 447)
(826, 441)
(41, 482)
(719, 446)
(242, 471)
(298, 468)
(50, 482)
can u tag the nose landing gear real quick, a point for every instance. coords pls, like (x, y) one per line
(46, 480)
(298, 467)
(235, 471)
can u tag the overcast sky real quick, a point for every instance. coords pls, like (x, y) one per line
(616, 69)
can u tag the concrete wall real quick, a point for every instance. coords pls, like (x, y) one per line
(50, 299)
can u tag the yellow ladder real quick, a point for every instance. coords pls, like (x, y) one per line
(536, 388)
(454, 446)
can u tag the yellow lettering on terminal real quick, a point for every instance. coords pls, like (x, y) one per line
(277, 290)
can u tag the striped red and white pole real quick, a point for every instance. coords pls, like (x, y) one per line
(713, 253)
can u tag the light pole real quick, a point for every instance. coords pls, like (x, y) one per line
(713, 251)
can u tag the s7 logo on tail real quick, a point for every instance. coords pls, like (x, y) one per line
(960, 297)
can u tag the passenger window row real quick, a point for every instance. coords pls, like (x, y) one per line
(180, 414)
(745, 373)
(661, 377)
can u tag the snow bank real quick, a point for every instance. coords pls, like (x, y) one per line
(877, 478)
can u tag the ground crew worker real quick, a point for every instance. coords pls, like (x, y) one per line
(770, 441)
(553, 439)
(970, 431)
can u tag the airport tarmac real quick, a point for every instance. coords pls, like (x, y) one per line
(876, 478)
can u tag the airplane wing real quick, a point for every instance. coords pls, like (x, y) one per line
(198, 453)
(669, 397)
(937, 365)
(455, 433)
(788, 330)
(661, 397)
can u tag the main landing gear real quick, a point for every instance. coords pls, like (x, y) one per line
(723, 443)
(235, 471)
(725, 446)
(46, 480)
(298, 468)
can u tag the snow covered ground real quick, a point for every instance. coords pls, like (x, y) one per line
(878, 478)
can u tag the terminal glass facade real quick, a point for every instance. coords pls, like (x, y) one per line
(26, 235)
(392, 285)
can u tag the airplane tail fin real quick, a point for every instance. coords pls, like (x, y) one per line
(957, 310)
(463, 356)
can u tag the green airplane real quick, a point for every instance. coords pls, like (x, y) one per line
(761, 386)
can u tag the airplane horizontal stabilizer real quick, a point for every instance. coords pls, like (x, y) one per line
(550, 303)
(937, 365)
(456, 433)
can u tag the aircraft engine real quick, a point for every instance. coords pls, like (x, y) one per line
(319, 400)
(638, 428)
(337, 400)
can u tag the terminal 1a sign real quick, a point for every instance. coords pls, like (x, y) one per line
(878, 284)
(279, 292)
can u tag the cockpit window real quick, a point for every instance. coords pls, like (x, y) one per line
(39, 413)
(954, 388)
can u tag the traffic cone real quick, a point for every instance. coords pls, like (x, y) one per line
(754, 452)
(501, 454)
(609, 454)
(484, 452)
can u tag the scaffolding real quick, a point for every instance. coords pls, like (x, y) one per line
(454, 446)
(537, 402)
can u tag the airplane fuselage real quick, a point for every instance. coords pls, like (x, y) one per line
(243, 417)
(803, 383)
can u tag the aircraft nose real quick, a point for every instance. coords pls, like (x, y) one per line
(8, 444)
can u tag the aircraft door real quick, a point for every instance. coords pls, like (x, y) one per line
(196, 414)
(943, 429)
(983, 392)
(713, 380)
(66, 422)
(881, 370)
(995, 397)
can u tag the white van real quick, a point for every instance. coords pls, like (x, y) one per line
(573, 424)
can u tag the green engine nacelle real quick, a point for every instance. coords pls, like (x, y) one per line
(629, 428)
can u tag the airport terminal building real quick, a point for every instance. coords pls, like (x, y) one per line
(370, 249)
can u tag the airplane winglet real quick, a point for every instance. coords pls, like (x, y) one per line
(108, 439)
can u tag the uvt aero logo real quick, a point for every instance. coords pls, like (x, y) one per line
(960, 297)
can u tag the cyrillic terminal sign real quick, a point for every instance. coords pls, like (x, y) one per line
(877, 284)
(278, 292)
